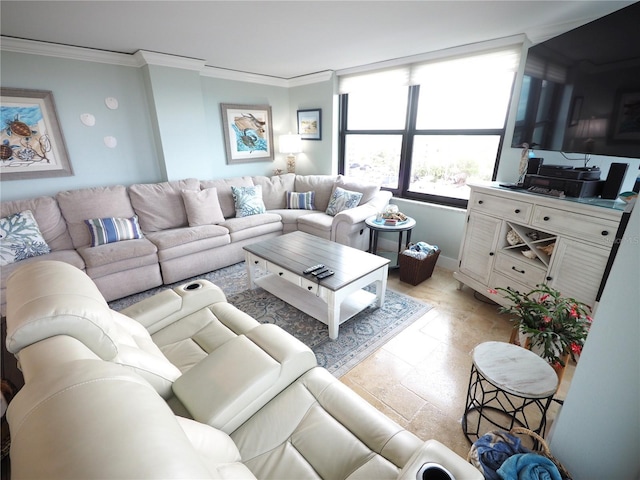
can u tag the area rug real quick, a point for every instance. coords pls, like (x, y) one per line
(358, 337)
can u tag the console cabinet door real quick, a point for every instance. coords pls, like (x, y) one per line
(480, 242)
(576, 269)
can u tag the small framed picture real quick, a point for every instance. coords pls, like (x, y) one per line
(310, 124)
(248, 133)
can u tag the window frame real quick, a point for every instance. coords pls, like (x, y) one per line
(408, 136)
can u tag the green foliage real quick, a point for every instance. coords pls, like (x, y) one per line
(556, 324)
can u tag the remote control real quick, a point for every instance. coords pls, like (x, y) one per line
(313, 269)
(318, 272)
(326, 274)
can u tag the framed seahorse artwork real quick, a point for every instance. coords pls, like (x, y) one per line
(248, 133)
(31, 142)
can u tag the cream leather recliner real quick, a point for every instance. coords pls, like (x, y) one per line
(211, 393)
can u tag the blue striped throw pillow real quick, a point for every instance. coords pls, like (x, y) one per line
(110, 230)
(303, 201)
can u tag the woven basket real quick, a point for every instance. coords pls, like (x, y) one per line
(414, 271)
(540, 447)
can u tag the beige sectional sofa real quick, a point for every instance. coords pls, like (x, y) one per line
(181, 239)
(184, 385)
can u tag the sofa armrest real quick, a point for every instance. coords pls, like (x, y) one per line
(169, 306)
(360, 213)
(435, 452)
(237, 379)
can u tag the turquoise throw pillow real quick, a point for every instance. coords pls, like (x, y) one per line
(20, 238)
(342, 199)
(110, 230)
(248, 200)
(302, 201)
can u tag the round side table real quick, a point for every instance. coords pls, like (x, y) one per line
(509, 386)
(375, 227)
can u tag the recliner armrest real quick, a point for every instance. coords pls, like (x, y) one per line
(169, 306)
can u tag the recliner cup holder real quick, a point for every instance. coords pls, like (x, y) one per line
(434, 471)
(193, 286)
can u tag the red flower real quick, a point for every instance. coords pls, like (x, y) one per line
(492, 291)
(546, 319)
(575, 348)
(544, 297)
(574, 312)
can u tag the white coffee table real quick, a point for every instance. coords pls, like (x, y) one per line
(332, 300)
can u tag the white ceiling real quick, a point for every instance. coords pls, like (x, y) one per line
(287, 39)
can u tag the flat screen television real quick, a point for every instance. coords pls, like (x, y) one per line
(581, 90)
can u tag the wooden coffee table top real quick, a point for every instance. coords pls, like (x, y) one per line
(297, 251)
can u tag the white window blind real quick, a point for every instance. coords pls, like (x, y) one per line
(494, 61)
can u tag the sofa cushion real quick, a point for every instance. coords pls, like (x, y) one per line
(368, 190)
(159, 205)
(322, 185)
(274, 189)
(80, 205)
(301, 200)
(111, 253)
(248, 201)
(111, 230)
(48, 216)
(203, 207)
(223, 186)
(20, 238)
(342, 199)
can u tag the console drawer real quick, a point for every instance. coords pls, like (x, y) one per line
(507, 208)
(501, 281)
(521, 270)
(583, 227)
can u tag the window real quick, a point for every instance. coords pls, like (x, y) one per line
(426, 130)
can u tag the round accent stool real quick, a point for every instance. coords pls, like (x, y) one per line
(509, 386)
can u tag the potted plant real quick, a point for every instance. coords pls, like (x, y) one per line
(555, 327)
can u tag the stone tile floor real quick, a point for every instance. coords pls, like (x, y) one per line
(420, 377)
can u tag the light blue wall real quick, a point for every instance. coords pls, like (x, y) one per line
(81, 87)
(168, 124)
(317, 157)
(216, 91)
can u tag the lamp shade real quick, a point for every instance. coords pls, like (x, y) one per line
(290, 143)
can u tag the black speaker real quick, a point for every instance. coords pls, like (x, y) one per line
(533, 167)
(615, 177)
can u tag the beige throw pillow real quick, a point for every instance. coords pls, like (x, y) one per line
(203, 207)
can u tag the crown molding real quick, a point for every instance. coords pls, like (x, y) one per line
(163, 60)
(311, 79)
(143, 57)
(225, 74)
(33, 47)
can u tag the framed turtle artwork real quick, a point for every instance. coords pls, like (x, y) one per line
(31, 142)
(248, 133)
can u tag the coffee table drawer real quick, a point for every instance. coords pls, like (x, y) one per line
(311, 285)
(283, 273)
(257, 261)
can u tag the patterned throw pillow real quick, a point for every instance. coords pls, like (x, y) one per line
(302, 201)
(110, 230)
(248, 200)
(20, 238)
(342, 200)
